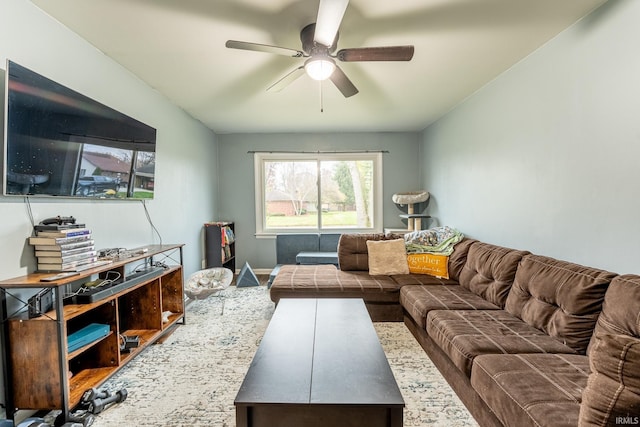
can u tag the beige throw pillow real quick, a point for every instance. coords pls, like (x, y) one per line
(387, 257)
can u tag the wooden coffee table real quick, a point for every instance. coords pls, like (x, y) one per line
(319, 364)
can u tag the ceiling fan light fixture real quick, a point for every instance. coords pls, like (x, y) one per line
(320, 68)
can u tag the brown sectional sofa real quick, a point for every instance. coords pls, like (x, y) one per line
(524, 340)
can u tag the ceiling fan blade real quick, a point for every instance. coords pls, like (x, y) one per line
(387, 53)
(257, 47)
(286, 80)
(342, 82)
(330, 13)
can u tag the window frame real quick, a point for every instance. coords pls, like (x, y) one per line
(259, 173)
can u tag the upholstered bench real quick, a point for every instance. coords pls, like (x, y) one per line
(380, 293)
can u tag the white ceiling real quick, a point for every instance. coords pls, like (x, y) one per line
(178, 48)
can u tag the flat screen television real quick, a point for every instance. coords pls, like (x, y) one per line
(58, 142)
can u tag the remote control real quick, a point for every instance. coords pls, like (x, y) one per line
(59, 276)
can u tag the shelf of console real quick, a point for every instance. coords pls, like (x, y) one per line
(51, 377)
(34, 280)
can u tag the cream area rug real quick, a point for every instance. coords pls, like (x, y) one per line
(192, 378)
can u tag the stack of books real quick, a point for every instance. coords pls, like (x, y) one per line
(227, 238)
(64, 249)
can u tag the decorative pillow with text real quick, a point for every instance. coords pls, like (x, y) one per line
(432, 264)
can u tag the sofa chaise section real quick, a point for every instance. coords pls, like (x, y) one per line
(305, 248)
(380, 293)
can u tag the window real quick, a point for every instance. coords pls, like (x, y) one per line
(318, 192)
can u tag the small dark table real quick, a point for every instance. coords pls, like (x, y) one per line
(319, 364)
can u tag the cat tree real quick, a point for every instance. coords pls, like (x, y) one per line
(410, 199)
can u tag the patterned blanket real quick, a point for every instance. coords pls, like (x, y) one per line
(437, 240)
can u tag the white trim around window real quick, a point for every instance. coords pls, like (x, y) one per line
(263, 158)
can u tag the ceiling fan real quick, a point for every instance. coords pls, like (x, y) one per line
(319, 42)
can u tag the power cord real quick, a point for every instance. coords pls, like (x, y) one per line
(146, 211)
(98, 283)
(30, 214)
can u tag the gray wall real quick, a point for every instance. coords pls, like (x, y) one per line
(545, 158)
(186, 156)
(186, 150)
(237, 202)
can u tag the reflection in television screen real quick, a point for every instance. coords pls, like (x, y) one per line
(61, 143)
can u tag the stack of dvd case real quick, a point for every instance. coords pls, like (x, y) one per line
(64, 248)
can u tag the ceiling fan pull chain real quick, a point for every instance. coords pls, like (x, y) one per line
(321, 98)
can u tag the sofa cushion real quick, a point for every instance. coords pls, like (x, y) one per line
(465, 334)
(326, 281)
(532, 389)
(387, 257)
(559, 298)
(490, 270)
(458, 258)
(431, 264)
(621, 308)
(420, 300)
(613, 389)
(352, 250)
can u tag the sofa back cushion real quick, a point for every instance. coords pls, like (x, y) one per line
(489, 271)
(612, 394)
(621, 307)
(352, 250)
(559, 298)
(458, 258)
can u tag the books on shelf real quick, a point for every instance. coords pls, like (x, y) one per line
(46, 258)
(227, 236)
(64, 249)
(80, 267)
(67, 247)
(226, 253)
(50, 252)
(68, 232)
(65, 266)
(39, 240)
